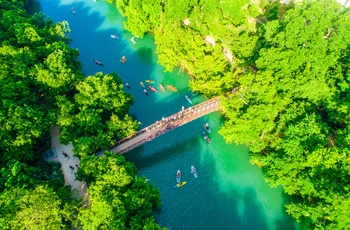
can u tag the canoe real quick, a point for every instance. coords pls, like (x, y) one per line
(149, 81)
(206, 138)
(152, 89)
(188, 99)
(172, 88)
(194, 171)
(178, 176)
(178, 185)
(98, 62)
(161, 87)
(206, 126)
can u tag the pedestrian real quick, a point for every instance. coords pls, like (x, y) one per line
(183, 108)
(76, 166)
(65, 154)
(71, 167)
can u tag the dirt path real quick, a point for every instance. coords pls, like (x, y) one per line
(69, 163)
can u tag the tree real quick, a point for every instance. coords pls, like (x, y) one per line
(30, 209)
(29, 46)
(293, 112)
(289, 68)
(97, 116)
(119, 198)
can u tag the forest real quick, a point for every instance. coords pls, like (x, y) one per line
(288, 68)
(42, 85)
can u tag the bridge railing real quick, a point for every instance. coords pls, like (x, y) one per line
(169, 123)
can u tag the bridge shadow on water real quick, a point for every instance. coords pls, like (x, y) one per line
(230, 207)
(154, 153)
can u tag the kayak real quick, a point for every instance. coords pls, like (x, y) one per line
(206, 138)
(206, 126)
(145, 91)
(161, 87)
(98, 62)
(178, 185)
(114, 36)
(194, 171)
(178, 176)
(172, 88)
(152, 89)
(133, 40)
(123, 60)
(149, 81)
(142, 85)
(188, 99)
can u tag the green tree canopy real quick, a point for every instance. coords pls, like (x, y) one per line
(40, 208)
(119, 198)
(289, 68)
(97, 115)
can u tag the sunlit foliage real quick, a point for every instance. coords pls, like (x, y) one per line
(289, 68)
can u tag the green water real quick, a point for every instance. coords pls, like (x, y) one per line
(229, 192)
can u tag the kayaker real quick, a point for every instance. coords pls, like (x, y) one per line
(127, 85)
(133, 40)
(123, 59)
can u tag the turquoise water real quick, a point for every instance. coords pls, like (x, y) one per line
(229, 192)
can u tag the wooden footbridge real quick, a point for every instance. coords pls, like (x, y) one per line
(165, 125)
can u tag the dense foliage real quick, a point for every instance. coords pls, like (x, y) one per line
(120, 199)
(289, 66)
(41, 85)
(36, 66)
(97, 114)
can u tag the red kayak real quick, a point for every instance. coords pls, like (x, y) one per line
(178, 176)
(152, 89)
(123, 60)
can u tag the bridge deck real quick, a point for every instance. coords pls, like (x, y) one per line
(165, 125)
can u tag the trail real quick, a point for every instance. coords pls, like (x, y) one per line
(66, 162)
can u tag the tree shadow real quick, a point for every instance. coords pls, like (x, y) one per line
(33, 6)
(145, 54)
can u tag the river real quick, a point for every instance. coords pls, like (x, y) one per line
(229, 192)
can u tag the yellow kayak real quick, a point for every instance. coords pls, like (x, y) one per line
(178, 185)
